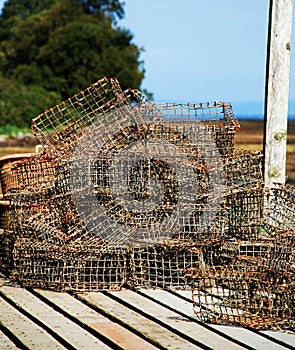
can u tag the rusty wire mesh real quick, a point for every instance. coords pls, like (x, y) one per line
(60, 127)
(250, 281)
(84, 266)
(243, 169)
(111, 124)
(8, 178)
(68, 229)
(251, 284)
(165, 265)
(7, 240)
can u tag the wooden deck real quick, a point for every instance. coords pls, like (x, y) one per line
(144, 319)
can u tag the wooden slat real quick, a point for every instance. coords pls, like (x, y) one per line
(172, 319)
(6, 343)
(159, 335)
(287, 337)
(60, 325)
(277, 91)
(163, 334)
(26, 331)
(185, 307)
(111, 330)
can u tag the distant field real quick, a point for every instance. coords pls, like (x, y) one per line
(250, 136)
(4, 151)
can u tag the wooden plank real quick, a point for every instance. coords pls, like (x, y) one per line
(60, 325)
(111, 330)
(284, 336)
(277, 90)
(157, 334)
(6, 343)
(287, 337)
(179, 323)
(185, 307)
(26, 331)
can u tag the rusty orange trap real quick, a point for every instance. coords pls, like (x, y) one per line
(137, 194)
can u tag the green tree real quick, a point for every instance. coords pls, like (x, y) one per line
(19, 103)
(62, 46)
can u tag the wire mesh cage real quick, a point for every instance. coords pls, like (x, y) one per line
(164, 265)
(243, 169)
(104, 135)
(6, 215)
(251, 280)
(7, 240)
(252, 290)
(138, 194)
(60, 127)
(34, 176)
(76, 267)
(215, 119)
(244, 212)
(40, 206)
(280, 208)
(8, 179)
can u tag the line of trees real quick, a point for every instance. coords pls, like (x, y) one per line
(51, 49)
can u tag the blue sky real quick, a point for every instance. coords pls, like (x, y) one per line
(196, 50)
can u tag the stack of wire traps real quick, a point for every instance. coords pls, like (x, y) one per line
(249, 281)
(240, 261)
(75, 267)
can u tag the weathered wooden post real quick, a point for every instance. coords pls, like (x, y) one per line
(277, 91)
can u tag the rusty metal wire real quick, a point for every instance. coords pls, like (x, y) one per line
(280, 207)
(78, 226)
(8, 179)
(244, 212)
(71, 267)
(164, 265)
(7, 240)
(251, 281)
(60, 127)
(216, 119)
(119, 120)
(252, 284)
(243, 169)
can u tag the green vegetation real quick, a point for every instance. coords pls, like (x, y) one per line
(12, 131)
(52, 49)
(19, 103)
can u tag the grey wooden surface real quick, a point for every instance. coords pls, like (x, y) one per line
(143, 319)
(277, 90)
